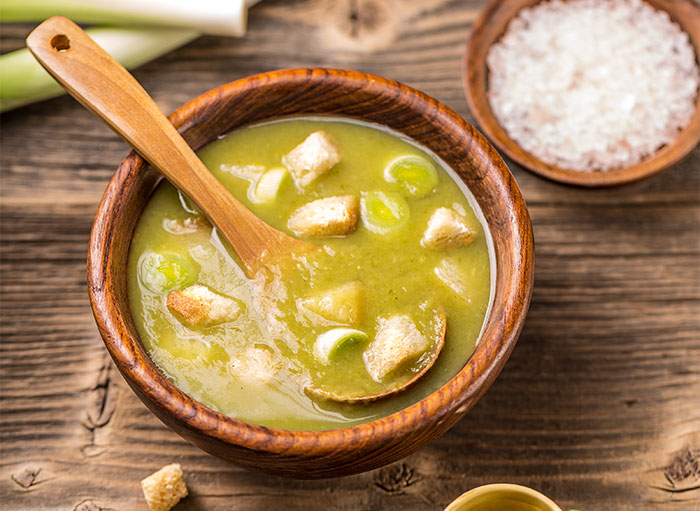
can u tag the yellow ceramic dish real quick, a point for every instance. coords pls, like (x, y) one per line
(502, 497)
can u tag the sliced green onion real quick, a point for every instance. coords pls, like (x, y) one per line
(164, 272)
(330, 343)
(215, 17)
(414, 174)
(268, 186)
(383, 211)
(24, 81)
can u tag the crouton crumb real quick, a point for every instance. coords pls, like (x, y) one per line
(198, 306)
(332, 216)
(447, 229)
(164, 488)
(397, 341)
(315, 156)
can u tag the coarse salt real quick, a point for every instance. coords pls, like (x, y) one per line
(593, 84)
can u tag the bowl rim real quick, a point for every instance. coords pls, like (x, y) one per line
(459, 393)
(475, 79)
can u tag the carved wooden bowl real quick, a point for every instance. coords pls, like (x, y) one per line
(491, 25)
(309, 454)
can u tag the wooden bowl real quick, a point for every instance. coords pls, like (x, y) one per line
(488, 29)
(317, 454)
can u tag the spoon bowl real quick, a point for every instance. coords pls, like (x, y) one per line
(401, 386)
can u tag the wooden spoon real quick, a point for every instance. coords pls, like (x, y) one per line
(401, 386)
(109, 91)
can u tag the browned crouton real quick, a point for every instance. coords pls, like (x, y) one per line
(198, 306)
(165, 488)
(315, 156)
(397, 341)
(447, 229)
(332, 216)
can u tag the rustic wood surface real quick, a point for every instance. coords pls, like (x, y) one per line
(598, 407)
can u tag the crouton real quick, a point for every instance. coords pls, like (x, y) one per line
(198, 306)
(447, 229)
(165, 488)
(315, 156)
(343, 304)
(397, 341)
(332, 216)
(452, 275)
(255, 364)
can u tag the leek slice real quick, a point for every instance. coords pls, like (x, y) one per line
(329, 343)
(414, 174)
(161, 272)
(383, 212)
(268, 186)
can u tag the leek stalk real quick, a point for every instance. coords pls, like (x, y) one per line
(24, 81)
(215, 17)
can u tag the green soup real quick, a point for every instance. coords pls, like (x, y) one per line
(260, 364)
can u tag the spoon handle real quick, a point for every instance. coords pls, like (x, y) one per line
(104, 87)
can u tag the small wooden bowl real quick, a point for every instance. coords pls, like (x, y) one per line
(488, 29)
(317, 454)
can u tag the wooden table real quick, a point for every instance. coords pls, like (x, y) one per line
(598, 407)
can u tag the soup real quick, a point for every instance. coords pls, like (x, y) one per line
(403, 264)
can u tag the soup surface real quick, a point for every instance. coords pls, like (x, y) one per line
(311, 325)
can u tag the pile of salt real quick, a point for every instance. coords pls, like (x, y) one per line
(593, 84)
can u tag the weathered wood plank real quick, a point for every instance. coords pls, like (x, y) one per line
(599, 405)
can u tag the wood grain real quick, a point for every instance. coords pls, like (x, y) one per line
(491, 25)
(596, 406)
